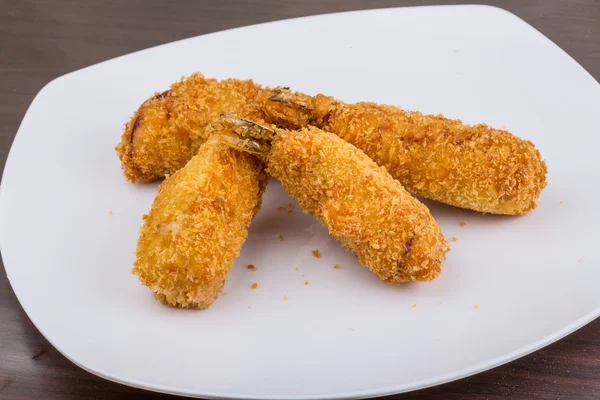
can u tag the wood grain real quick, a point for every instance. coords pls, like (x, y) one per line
(41, 40)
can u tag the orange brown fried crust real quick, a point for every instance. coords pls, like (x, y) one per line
(197, 225)
(362, 206)
(474, 167)
(167, 129)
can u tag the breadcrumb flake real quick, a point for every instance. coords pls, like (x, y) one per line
(254, 285)
(251, 267)
(316, 253)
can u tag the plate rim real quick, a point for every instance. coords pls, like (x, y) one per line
(366, 393)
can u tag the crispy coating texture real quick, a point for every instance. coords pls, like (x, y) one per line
(167, 130)
(474, 167)
(362, 206)
(197, 225)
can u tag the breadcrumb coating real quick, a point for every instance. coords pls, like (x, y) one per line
(362, 206)
(197, 225)
(167, 130)
(474, 167)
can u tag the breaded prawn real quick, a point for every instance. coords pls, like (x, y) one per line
(362, 206)
(168, 129)
(474, 167)
(197, 225)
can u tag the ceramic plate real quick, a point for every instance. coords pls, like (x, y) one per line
(509, 286)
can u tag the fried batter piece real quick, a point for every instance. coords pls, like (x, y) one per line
(362, 206)
(167, 130)
(197, 225)
(474, 167)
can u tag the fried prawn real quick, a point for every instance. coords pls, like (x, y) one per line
(362, 206)
(474, 167)
(169, 128)
(197, 225)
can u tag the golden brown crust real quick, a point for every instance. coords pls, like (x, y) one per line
(474, 167)
(167, 129)
(197, 225)
(368, 211)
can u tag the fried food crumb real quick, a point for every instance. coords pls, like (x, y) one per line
(251, 267)
(297, 269)
(580, 260)
(110, 211)
(336, 266)
(454, 239)
(350, 329)
(285, 297)
(458, 275)
(280, 208)
(561, 202)
(290, 212)
(440, 302)
(306, 283)
(414, 306)
(476, 306)
(254, 285)
(463, 223)
(281, 238)
(316, 253)
(290, 206)
(249, 307)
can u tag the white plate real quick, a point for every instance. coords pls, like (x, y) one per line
(346, 334)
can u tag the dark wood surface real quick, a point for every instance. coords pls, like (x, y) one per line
(41, 40)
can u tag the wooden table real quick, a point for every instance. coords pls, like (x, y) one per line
(41, 40)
